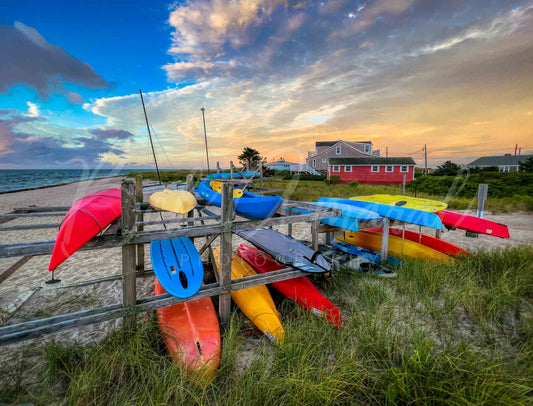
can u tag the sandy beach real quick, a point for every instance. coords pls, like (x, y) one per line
(25, 296)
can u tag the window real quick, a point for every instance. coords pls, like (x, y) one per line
(367, 149)
(323, 160)
(375, 168)
(338, 150)
(504, 169)
(404, 168)
(389, 168)
(335, 168)
(314, 163)
(347, 168)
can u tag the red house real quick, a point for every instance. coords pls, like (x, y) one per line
(374, 170)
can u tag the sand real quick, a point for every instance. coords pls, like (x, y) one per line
(25, 296)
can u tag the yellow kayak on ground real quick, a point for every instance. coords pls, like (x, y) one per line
(217, 187)
(404, 201)
(256, 303)
(398, 247)
(176, 201)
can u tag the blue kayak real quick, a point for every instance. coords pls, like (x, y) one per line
(371, 256)
(413, 216)
(177, 266)
(250, 174)
(250, 205)
(223, 175)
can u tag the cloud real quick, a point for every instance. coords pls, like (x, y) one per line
(27, 58)
(33, 110)
(28, 147)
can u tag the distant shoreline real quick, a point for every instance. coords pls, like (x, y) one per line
(59, 184)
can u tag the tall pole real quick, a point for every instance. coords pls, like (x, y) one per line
(386, 152)
(425, 159)
(150, 136)
(205, 137)
(515, 149)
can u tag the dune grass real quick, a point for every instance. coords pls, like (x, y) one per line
(458, 334)
(310, 191)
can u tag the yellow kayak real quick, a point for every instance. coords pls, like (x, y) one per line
(217, 187)
(256, 303)
(404, 201)
(398, 247)
(176, 201)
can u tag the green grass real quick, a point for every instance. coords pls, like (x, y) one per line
(309, 191)
(458, 334)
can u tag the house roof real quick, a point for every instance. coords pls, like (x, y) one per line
(499, 160)
(330, 143)
(372, 161)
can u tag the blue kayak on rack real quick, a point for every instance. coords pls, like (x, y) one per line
(177, 266)
(250, 205)
(223, 175)
(371, 256)
(413, 216)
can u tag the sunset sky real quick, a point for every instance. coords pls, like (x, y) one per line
(276, 75)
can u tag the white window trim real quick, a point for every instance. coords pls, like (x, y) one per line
(373, 167)
(347, 168)
(367, 149)
(406, 168)
(314, 163)
(338, 150)
(387, 168)
(335, 168)
(323, 160)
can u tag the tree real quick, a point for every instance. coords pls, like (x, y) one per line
(527, 165)
(448, 168)
(250, 157)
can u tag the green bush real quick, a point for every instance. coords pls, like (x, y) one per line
(353, 184)
(333, 180)
(302, 176)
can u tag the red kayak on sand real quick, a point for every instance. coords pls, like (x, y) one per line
(86, 218)
(192, 335)
(301, 290)
(472, 223)
(432, 242)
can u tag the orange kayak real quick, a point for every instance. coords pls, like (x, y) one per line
(192, 335)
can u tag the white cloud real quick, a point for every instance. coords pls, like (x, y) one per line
(33, 110)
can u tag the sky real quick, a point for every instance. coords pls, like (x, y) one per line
(275, 75)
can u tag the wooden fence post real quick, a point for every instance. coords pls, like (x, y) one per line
(224, 300)
(190, 182)
(261, 174)
(231, 169)
(385, 239)
(129, 290)
(403, 184)
(139, 197)
(314, 234)
(289, 226)
(218, 167)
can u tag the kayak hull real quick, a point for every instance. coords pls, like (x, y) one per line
(409, 202)
(397, 247)
(473, 224)
(301, 290)
(85, 219)
(251, 206)
(256, 302)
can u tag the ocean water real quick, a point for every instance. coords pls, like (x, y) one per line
(15, 179)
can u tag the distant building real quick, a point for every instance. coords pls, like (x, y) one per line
(505, 163)
(373, 170)
(280, 165)
(325, 150)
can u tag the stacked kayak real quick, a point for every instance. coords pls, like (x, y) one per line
(176, 201)
(86, 218)
(432, 242)
(301, 290)
(250, 205)
(192, 335)
(398, 247)
(474, 224)
(256, 303)
(405, 201)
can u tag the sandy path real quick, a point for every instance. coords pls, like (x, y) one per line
(25, 296)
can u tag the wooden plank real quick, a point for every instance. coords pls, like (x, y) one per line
(289, 226)
(40, 209)
(190, 188)
(224, 300)
(30, 227)
(37, 328)
(129, 266)
(46, 214)
(314, 234)
(11, 270)
(139, 197)
(385, 239)
(190, 220)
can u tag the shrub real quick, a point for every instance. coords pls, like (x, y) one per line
(353, 184)
(333, 180)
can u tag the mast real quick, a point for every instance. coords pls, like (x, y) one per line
(205, 138)
(150, 136)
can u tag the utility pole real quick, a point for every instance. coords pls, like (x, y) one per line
(520, 151)
(386, 152)
(205, 137)
(515, 149)
(425, 159)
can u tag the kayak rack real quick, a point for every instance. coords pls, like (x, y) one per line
(130, 235)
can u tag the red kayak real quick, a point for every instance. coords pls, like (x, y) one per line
(299, 289)
(192, 335)
(86, 218)
(436, 243)
(472, 223)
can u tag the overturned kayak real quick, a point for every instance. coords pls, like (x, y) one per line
(301, 290)
(405, 201)
(250, 205)
(85, 219)
(256, 303)
(474, 224)
(176, 201)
